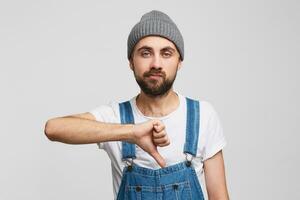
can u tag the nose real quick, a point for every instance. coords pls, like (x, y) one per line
(156, 62)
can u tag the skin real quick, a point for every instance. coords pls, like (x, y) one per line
(151, 53)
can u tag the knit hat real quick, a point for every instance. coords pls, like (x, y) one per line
(155, 23)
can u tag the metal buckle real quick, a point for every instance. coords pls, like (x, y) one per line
(188, 160)
(129, 163)
(189, 155)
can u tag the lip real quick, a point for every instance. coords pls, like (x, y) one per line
(154, 76)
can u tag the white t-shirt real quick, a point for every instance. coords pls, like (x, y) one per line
(210, 141)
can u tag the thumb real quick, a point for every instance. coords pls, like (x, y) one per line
(158, 126)
(159, 159)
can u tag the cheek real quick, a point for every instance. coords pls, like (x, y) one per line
(141, 66)
(170, 66)
(172, 61)
(138, 70)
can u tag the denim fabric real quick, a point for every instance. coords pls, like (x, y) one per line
(192, 126)
(128, 150)
(175, 182)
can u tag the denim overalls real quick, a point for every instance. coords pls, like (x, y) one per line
(174, 182)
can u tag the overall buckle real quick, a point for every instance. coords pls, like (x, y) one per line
(129, 163)
(188, 158)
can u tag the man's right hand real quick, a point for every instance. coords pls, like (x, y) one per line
(148, 136)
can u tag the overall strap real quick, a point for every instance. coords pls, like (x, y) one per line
(126, 115)
(192, 126)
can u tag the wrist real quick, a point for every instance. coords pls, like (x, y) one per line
(131, 133)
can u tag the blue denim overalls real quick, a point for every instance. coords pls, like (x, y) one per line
(174, 182)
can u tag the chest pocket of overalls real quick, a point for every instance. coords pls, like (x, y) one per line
(177, 191)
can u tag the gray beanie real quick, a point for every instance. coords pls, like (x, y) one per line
(155, 23)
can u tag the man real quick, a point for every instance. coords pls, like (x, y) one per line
(159, 141)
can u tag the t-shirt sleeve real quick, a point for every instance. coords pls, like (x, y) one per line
(214, 136)
(104, 113)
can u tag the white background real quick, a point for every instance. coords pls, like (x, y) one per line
(65, 57)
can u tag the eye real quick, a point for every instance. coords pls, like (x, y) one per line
(145, 53)
(167, 54)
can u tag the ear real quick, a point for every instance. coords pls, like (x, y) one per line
(130, 64)
(179, 65)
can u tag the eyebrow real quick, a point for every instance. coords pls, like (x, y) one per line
(150, 48)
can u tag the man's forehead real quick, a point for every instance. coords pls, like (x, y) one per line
(155, 42)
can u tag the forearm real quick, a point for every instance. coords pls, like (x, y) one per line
(73, 130)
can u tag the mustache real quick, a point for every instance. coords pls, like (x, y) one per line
(156, 72)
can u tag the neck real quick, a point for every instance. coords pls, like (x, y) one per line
(158, 106)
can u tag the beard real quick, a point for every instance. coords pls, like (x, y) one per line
(155, 87)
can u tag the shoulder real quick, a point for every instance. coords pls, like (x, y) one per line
(109, 112)
(106, 112)
(208, 114)
(206, 107)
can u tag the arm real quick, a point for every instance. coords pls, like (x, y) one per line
(84, 129)
(214, 171)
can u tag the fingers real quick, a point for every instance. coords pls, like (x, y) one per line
(163, 141)
(159, 134)
(158, 129)
(159, 159)
(159, 126)
(160, 137)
